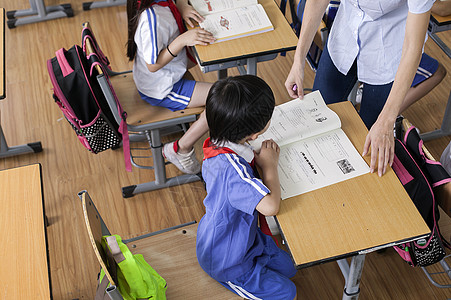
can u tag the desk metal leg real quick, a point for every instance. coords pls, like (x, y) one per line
(445, 128)
(352, 275)
(222, 74)
(38, 12)
(6, 151)
(252, 66)
(99, 4)
(441, 44)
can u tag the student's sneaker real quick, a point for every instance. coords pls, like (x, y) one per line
(185, 162)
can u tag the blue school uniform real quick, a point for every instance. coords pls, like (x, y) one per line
(230, 246)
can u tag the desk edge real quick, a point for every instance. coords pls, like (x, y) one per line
(225, 60)
(364, 251)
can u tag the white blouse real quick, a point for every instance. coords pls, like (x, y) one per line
(373, 32)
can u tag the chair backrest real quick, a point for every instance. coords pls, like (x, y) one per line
(320, 38)
(96, 229)
(172, 252)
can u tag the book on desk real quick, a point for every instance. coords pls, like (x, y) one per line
(228, 20)
(314, 150)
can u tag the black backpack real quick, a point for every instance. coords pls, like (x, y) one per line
(420, 175)
(79, 96)
(81, 100)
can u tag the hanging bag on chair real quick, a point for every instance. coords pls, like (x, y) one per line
(134, 277)
(81, 100)
(420, 175)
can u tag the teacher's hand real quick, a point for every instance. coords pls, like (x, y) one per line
(295, 80)
(381, 140)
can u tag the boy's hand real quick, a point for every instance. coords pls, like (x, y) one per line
(197, 36)
(268, 158)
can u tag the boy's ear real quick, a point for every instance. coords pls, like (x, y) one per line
(253, 137)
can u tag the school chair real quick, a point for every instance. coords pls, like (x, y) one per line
(38, 12)
(445, 127)
(171, 252)
(145, 122)
(439, 274)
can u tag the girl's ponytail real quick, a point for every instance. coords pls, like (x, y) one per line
(134, 9)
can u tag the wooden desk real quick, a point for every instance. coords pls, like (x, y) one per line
(353, 217)
(23, 255)
(5, 150)
(249, 50)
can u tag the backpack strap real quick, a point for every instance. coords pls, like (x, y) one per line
(87, 33)
(114, 249)
(434, 169)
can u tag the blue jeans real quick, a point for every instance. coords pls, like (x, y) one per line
(335, 87)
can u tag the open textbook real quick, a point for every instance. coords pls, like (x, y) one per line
(314, 150)
(231, 19)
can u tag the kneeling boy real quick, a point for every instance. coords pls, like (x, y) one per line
(230, 246)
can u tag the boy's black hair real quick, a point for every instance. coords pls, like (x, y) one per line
(238, 107)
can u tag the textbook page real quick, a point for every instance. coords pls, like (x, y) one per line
(317, 162)
(205, 7)
(240, 22)
(299, 119)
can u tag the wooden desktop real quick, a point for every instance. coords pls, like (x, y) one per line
(352, 217)
(251, 49)
(23, 254)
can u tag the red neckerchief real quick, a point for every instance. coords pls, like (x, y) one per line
(178, 18)
(211, 150)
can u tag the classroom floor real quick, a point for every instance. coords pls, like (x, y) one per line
(29, 114)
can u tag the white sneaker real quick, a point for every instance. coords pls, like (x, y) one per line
(185, 162)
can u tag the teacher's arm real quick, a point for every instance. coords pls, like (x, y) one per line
(380, 136)
(313, 12)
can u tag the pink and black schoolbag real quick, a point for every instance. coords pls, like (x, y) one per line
(78, 94)
(80, 98)
(420, 175)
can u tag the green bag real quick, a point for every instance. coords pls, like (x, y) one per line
(135, 278)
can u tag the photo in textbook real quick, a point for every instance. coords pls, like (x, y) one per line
(314, 150)
(228, 20)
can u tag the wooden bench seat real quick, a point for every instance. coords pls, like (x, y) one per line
(138, 111)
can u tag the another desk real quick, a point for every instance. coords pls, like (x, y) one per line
(350, 218)
(23, 255)
(6, 151)
(439, 24)
(248, 50)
